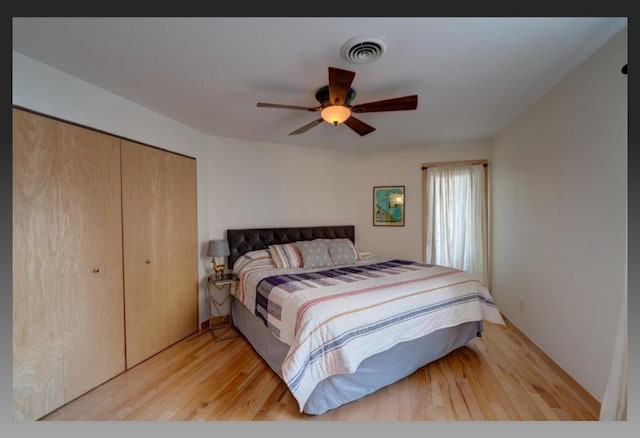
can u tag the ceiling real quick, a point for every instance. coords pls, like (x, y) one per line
(472, 75)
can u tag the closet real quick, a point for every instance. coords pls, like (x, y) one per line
(75, 268)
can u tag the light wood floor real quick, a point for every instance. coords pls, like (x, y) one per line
(501, 376)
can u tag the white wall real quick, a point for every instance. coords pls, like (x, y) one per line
(254, 184)
(559, 191)
(44, 89)
(401, 167)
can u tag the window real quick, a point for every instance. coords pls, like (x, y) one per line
(455, 216)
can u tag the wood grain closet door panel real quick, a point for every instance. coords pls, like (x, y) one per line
(91, 274)
(182, 239)
(145, 254)
(38, 379)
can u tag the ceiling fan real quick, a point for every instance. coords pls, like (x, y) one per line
(335, 104)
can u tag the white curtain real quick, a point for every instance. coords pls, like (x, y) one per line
(614, 402)
(456, 218)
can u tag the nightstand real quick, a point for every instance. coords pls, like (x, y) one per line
(220, 319)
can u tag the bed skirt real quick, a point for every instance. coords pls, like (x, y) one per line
(373, 373)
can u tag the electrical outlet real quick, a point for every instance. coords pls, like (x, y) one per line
(521, 303)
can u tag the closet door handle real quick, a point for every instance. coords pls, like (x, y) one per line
(96, 270)
(147, 261)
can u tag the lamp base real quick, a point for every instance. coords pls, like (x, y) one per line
(218, 270)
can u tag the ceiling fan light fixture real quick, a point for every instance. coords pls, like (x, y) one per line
(335, 114)
(335, 104)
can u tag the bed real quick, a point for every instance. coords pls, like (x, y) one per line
(336, 331)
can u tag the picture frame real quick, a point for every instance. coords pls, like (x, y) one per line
(388, 206)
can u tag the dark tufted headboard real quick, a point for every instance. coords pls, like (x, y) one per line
(242, 241)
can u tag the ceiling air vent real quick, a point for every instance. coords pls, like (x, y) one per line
(363, 49)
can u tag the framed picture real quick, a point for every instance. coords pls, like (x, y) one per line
(388, 206)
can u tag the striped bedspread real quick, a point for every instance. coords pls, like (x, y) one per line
(335, 318)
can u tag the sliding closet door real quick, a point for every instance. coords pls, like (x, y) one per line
(145, 251)
(182, 239)
(68, 316)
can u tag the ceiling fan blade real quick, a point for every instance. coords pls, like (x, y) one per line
(306, 127)
(359, 126)
(397, 104)
(339, 85)
(275, 105)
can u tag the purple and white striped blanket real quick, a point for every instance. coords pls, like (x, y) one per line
(333, 319)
